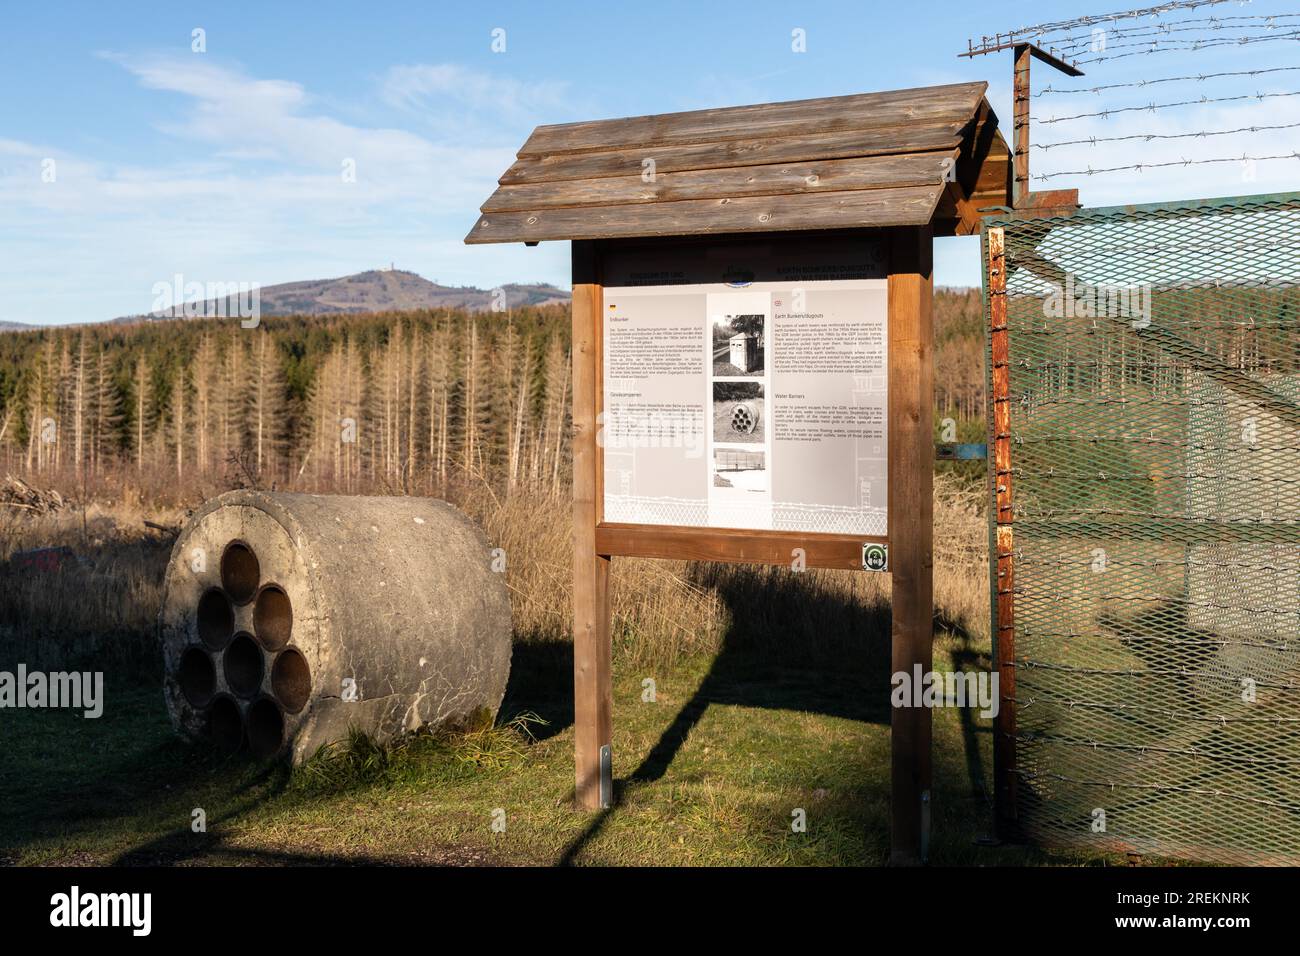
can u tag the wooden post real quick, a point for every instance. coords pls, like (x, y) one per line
(911, 527)
(1004, 582)
(592, 679)
(1020, 127)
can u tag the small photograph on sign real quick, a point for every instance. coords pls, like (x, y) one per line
(738, 345)
(739, 414)
(740, 469)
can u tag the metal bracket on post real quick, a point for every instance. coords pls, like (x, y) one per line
(1021, 196)
(606, 777)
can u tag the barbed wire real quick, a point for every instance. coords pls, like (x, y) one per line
(1176, 671)
(1180, 641)
(1129, 706)
(1066, 44)
(1171, 44)
(1045, 737)
(1197, 45)
(1138, 84)
(1147, 137)
(1153, 107)
(1060, 26)
(1139, 167)
(1163, 788)
(1189, 34)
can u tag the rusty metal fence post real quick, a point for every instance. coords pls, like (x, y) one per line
(1002, 565)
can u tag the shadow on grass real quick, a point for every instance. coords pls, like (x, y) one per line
(967, 656)
(790, 645)
(135, 783)
(127, 776)
(541, 683)
(128, 780)
(247, 784)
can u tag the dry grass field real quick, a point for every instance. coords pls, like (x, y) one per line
(772, 686)
(109, 593)
(772, 692)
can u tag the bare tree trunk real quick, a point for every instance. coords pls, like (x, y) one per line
(178, 420)
(79, 405)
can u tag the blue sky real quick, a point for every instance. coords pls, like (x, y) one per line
(226, 165)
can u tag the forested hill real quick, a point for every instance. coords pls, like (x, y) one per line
(378, 290)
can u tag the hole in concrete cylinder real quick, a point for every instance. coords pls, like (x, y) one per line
(273, 617)
(225, 726)
(265, 727)
(243, 665)
(216, 618)
(197, 677)
(240, 572)
(291, 680)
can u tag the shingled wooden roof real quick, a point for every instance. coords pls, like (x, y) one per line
(872, 159)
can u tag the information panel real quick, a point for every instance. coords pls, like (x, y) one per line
(748, 404)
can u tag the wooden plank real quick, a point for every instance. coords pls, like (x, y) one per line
(911, 528)
(1020, 125)
(733, 545)
(817, 176)
(749, 151)
(993, 186)
(1003, 570)
(593, 253)
(985, 169)
(1054, 200)
(956, 215)
(860, 111)
(903, 205)
(592, 680)
(983, 179)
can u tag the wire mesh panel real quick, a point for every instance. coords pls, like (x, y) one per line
(1152, 378)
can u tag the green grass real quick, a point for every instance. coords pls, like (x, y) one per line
(707, 774)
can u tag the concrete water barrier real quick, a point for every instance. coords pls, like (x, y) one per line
(289, 618)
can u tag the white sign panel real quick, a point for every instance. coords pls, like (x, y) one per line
(751, 405)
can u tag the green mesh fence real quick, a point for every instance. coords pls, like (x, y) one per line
(1155, 448)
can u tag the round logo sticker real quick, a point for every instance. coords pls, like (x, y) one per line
(875, 557)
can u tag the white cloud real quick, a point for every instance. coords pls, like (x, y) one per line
(261, 196)
(248, 118)
(449, 96)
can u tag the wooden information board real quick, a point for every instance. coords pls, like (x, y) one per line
(877, 279)
(752, 353)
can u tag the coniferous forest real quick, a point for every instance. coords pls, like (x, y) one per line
(400, 402)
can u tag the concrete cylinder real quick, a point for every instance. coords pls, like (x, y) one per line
(288, 618)
(744, 417)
